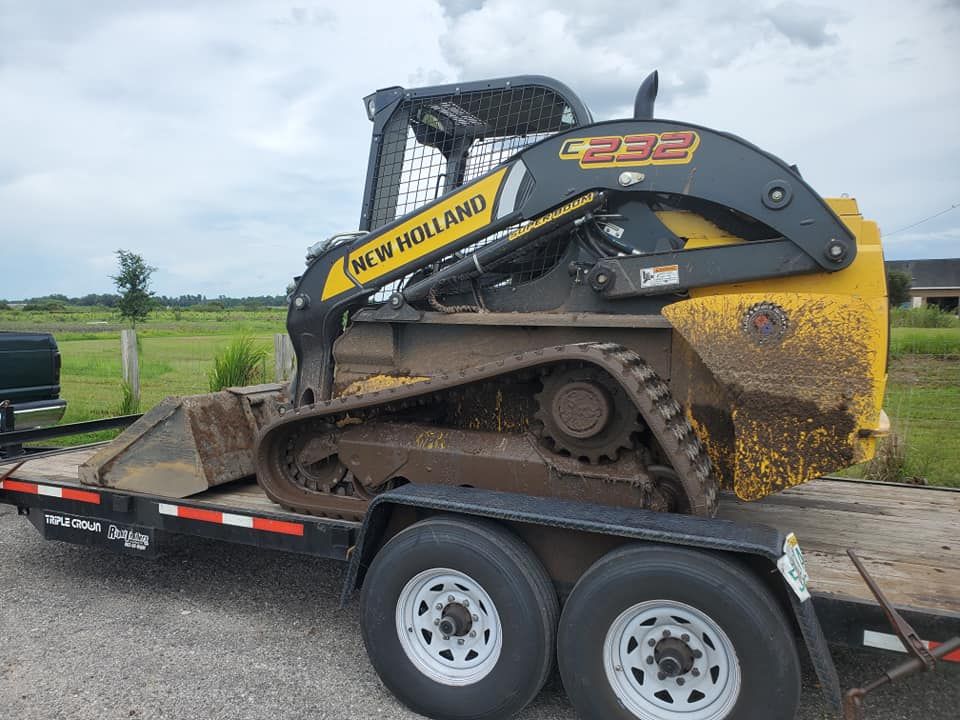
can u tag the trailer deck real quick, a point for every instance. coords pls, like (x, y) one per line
(905, 534)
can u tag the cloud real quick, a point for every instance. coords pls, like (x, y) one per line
(455, 8)
(939, 239)
(803, 24)
(607, 50)
(219, 140)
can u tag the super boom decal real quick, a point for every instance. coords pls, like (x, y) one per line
(434, 228)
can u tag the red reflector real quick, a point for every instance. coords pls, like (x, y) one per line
(198, 514)
(18, 486)
(80, 496)
(952, 657)
(278, 526)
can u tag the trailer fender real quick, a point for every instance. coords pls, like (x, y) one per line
(751, 541)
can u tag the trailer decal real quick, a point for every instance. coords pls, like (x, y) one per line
(63, 493)
(222, 518)
(886, 641)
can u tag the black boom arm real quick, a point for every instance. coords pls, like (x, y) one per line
(560, 180)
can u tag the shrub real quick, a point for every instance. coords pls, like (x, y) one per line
(45, 306)
(129, 403)
(928, 316)
(889, 462)
(898, 287)
(212, 306)
(242, 362)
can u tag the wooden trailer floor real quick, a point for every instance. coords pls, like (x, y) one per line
(906, 535)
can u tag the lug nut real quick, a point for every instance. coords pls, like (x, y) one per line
(473, 633)
(466, 602)
(651, 642)
(666, 633)
(439, 606)
(776, 194)
(680, 681)
(697, 654)
(649, 659)
(476, 618)
(436, 621)
(460, 641)
(661, 675)
(695, 672)
(450, 598)
(685, 637)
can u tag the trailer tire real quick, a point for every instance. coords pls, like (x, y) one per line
(645, 617)
(481, 584)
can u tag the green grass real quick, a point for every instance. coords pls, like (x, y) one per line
(923, 402)
(925, 341)
(928, 316)
(91, 379)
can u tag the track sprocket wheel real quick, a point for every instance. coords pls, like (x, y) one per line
(311, 458)
(586, 414)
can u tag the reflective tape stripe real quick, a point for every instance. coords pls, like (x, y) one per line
(54, 491)
(221, 518)
(886, 641)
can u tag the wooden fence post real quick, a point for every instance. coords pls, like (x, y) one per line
(131, 363)
(283, 357)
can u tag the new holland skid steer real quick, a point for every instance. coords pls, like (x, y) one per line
(635, 312)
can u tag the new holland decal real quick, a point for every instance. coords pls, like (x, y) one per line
(668, 148)
(432, 229)
(553, 215)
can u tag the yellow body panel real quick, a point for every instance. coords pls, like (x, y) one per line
(807, 399)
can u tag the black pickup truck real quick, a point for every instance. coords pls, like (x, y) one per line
(30, 381)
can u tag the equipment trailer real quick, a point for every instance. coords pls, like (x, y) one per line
(505, 559)
(548, 351)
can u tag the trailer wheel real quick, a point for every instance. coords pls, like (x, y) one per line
(459, 619)
(664, 633)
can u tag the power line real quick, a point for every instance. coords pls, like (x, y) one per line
(920, 222)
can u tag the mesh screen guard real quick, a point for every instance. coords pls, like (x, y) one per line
(436, 139)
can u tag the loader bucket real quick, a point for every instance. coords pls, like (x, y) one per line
(784, 379)
(186, 445)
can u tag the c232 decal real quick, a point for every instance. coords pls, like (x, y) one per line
(668, 148)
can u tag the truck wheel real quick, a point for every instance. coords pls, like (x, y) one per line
(459, 619)
(663, 633)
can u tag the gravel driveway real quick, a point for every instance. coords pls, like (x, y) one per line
(218, 631)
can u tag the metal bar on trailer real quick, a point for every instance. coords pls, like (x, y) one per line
(17, 437)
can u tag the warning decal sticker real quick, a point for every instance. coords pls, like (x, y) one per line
(661, 276)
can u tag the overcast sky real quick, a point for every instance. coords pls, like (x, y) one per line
(220, 139)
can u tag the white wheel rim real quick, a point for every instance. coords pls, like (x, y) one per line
(455, 659)
(702, 681)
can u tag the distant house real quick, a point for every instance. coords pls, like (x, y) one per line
(934, 282)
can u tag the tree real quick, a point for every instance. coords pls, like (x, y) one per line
(133, 282)
(898, 287)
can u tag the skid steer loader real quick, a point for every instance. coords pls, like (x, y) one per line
(634, 312)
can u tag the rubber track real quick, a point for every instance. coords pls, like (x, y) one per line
(649, 393)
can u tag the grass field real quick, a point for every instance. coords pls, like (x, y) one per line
(177, 351)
